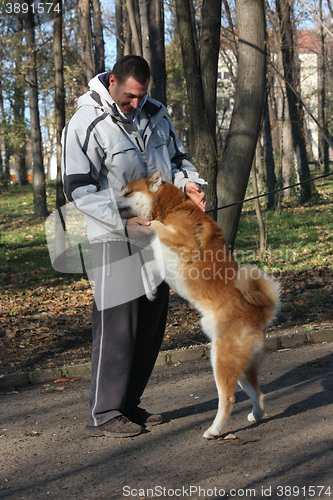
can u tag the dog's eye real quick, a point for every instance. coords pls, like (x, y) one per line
(127, 193)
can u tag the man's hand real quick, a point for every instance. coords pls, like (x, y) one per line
(137, 227)
(194, 191)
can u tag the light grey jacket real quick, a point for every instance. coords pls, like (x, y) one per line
(103, 150)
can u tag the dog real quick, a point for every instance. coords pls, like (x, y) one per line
(235, 303)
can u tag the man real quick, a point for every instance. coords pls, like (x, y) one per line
(119, 134)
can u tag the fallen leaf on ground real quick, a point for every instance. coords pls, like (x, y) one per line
(229, 437)
(64, 379)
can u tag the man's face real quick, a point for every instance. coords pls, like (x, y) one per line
(127, 95)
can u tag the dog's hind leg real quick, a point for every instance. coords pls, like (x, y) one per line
(226, 379)
(249, 384)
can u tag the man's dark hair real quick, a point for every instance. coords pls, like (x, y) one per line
(131, 65)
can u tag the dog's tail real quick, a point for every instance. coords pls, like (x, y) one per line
(259, 289)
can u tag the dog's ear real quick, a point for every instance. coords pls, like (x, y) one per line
(155, 181)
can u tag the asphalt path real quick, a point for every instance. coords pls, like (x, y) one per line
(44, 452)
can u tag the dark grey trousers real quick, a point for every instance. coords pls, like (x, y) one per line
(126, 342)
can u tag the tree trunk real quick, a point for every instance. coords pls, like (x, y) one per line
(40, 207)
(98, 37)
(119, 28)
(285, 151)
(245, 123)
(87, 53)
(323, 132)
(152, 35)
(20, 86)
(2, 183)
(294, 102)
(262, 245)
(202, 137)
(134, 28)
(5, 173)
(209, 55)
(19, 146)
(144, 9)
(269, 156)
(59, 98)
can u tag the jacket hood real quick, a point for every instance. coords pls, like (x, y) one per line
(98, 96)
(100, 84)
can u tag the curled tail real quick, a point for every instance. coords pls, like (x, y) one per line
(259, 289)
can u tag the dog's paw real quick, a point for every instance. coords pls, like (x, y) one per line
(209, 435)
(156, 224)
(253, 418)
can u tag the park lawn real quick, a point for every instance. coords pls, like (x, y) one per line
(297, 237)
(24, 256)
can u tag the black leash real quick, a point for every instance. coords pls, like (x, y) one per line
(270, 192)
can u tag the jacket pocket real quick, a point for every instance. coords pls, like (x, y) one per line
(122, 152)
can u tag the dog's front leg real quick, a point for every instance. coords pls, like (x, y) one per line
(169, 235)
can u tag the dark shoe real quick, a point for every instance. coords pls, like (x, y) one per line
(118, 426)
(143, 417)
